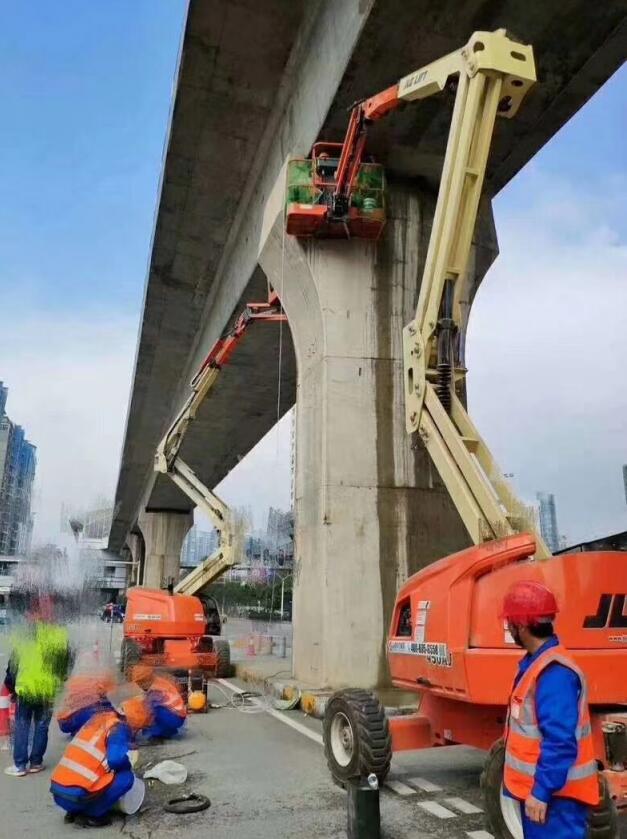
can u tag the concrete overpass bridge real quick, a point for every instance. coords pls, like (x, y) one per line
(258, 83)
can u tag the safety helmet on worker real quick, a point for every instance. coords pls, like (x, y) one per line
(528, 602)
(142, 675)
(136, 712)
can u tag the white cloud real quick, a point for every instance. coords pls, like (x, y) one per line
(547, 345)
(68, 377)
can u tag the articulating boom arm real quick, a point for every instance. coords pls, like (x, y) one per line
(493, 75)
(168, 460)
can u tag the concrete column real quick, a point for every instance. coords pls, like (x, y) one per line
(370, 508)
(163, 534)
(135, 544)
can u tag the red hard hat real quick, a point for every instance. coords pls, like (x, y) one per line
(528, 601)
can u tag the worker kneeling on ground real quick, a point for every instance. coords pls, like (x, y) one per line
(85, 697)
(95, 771)
(549, 754)
(165, 701)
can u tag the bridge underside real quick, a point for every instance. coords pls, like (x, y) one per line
(259, 82)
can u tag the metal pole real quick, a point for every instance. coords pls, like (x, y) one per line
(363, 813)
(282, 593)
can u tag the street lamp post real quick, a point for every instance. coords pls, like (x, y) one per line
(283, 579)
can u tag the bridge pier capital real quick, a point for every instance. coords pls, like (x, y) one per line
(370, 509)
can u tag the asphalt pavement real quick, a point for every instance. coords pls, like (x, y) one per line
(265, 778)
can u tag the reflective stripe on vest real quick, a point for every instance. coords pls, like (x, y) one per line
(169, 696)
(79, 769)
(524, 739)
(84, 763)
(90, 748)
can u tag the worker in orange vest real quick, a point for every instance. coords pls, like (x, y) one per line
(95, 770)
(164, 698)
(549, 754)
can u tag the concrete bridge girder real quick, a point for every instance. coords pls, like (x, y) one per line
(370, 509)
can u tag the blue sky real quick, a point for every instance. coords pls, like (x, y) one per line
(86, 90)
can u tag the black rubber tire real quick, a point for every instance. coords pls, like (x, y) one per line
(223, 651)
(130, 655)
(192, 803)
(603, 819)
(491, 781)
(372, 742)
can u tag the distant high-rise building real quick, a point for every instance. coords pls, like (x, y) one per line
(17, 473)
(625, 480)
(280, 536)
(548, 520)
(197, 546)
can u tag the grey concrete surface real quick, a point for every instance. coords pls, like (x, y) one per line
(370, 509)
(258, 83)
(164, 534)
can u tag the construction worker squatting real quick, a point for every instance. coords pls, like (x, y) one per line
(95, 771)
(165, 701)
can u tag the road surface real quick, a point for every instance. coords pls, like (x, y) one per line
(265, 778)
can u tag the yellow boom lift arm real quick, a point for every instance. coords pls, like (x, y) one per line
(168, 460)
(491, 75)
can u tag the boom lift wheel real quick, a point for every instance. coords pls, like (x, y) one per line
(357, 740)
(223, 652)
(604, 818)
(503, 812)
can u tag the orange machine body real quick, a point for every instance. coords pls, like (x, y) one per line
(169, 629)
(448, 643)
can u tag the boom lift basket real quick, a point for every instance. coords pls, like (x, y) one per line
(309, 197)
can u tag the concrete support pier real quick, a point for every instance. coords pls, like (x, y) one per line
(163, 534)
(370, 508)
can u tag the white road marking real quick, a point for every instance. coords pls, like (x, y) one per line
(437, 810)
(424, 785)
(479, 834)
(463, 806)
(400, 788)
(302, 729)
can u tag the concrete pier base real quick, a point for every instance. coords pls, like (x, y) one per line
(370, 508)
(163, 534)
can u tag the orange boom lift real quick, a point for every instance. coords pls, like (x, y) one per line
(446, 641)
(175, 627)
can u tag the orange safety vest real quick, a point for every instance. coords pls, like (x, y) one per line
(523, 741)
(169, 697)
(84, 762)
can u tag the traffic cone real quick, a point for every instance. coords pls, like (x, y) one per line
(5, 719)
